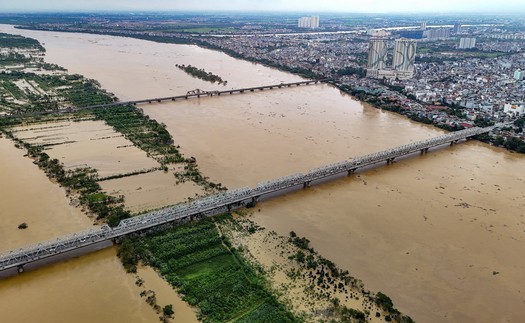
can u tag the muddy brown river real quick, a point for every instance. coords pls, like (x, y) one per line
(442, 234)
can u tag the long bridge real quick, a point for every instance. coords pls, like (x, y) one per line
(197, 93)
(82, 242)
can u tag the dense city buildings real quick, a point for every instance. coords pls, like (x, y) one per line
(443, 84)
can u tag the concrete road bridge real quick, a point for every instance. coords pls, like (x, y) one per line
(16, 261)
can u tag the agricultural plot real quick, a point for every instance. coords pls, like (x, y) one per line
(87, 144)
(211, 275)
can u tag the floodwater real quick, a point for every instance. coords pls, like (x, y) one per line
(87, 144)
(93, 288)
(151, 191)
(441, 234)
(48, 215)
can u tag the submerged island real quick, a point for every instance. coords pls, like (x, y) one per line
(200, 73)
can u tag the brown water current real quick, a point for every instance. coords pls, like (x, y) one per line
(442, 234)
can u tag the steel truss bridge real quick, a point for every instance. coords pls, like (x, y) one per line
(216, 204)
(197, 93)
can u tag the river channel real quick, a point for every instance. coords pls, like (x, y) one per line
(442, 234)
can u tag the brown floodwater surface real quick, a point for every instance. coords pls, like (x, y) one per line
(93, 288)
(27, 195)
(441, 234)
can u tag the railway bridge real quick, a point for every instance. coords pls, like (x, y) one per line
(197, 93)
(65, 247)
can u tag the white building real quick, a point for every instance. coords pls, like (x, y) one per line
(516, 109)
(518, 75)
(308, 22)
(466, 43)
(437, 33)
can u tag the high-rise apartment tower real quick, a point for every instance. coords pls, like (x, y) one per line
(404, 55)
(377, 54)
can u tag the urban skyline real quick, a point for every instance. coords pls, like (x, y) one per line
(376, 6)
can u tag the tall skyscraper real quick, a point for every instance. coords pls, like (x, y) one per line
(457, 28)
(466, 43)
(377, 54)
(315, 21)
(308, 22)
(403, 60)
(404, 55)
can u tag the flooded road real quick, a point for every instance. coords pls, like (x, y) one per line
(441, 234)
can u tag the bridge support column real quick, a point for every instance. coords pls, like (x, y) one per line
(307, 184)
(424, 151)
(20, 268)
(351, 171)
(254, 201)
(390, 161)
(229, 206)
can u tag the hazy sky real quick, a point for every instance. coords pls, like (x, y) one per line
(373, 6)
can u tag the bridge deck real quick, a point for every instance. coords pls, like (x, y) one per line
(217, 203)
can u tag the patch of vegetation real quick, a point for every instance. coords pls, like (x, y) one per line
(210, 274)
(201, 74)
(16, 41)
(23, 226)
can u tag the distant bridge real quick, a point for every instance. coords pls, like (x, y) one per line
(197, 93)
(97, 238)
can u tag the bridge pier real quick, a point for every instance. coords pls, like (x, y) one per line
(20, 268)
(424, 151)
(306, 184)
(390, 161)
(351, 171)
